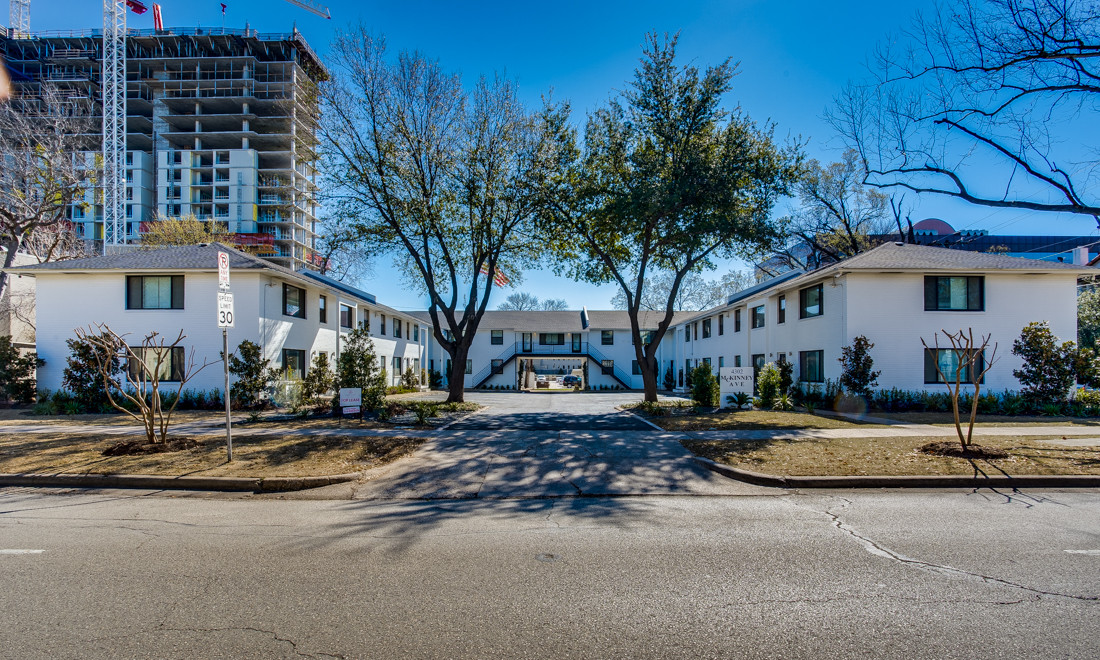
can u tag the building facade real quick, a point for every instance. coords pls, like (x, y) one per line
(292, 316)
(220, 125)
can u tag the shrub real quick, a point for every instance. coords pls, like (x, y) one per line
(319, 380)
(783, 402)
(856, 375)
(254, 376)
(1089, 400)
(739, 399)
(410, 380)
(424, 412)
(358, 367)
(768, 385)
(704, 386)
(82, 375)
(786, 376)
(1047, 373)
(435, 379)
(17, 381)
(670, 380)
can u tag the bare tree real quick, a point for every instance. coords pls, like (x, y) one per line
(695, 291)
(554, 305)
(442, 177)
(839, 216)
(519, 301)
(139, 382)
(970, 366)
(41, 175)
(980, 91)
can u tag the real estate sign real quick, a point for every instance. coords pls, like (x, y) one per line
(351, 397)
(732, 380)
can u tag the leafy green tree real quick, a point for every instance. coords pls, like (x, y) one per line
(358, 366)
(319, 379)
(254, 375)
(1047, 373)
(704, 386)
(446, 178)
(857, 375)
(17, 381)
(1088, 318)
(83, 375)
(666, 181)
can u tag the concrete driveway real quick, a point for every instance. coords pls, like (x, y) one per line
(548, 445)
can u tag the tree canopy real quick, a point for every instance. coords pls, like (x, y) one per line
(665, 180)
(185, 230)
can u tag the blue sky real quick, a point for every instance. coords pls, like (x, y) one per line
(794, 56)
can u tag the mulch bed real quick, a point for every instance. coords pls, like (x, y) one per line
(143, 446)
(955, 448)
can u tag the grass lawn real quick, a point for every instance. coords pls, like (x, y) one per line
(748, 420)
(255, 456)
(892, 456)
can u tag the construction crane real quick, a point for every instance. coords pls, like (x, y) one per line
(19, 17)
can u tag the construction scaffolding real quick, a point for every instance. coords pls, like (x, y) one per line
(217, 124)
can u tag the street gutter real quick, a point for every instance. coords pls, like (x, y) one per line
(158, 482)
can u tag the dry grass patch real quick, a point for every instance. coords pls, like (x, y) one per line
(254, 456)
(893, 457)
(22, 416)
(750, 420)
(945, 419)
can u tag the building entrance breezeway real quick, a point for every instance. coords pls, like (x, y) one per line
(552, 411)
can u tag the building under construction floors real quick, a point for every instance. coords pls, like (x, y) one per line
(221, 124)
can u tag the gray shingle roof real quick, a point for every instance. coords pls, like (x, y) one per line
(569, 321)
(185, 257)
(891, 256)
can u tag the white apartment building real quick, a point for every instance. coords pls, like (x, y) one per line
(291, 315)
(895, 295)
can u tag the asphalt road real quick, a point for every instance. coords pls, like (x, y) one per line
(881, 574)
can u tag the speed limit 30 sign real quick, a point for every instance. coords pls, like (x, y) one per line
(225, 310)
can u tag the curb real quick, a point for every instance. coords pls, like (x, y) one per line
(156, 482)
(931, 481)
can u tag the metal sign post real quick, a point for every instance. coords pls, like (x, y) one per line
(225, 321)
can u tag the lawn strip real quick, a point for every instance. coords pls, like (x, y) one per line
(749, 420)
(895, 456)
(254, 456)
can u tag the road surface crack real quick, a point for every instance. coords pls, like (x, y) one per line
(943, 569)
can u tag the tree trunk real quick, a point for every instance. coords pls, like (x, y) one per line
(456, 383)
(9, 259)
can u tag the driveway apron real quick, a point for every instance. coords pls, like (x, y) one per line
(548, 445)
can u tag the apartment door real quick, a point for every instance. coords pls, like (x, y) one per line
(576, 342)
(527, 342)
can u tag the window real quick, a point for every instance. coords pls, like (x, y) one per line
(758, 316)
(781, 310)
(948, 360)
(294, 301)
(345, 316)
(364, 322)
(166, 363)
(721, 324)
(154, 292)
(416, 333)
(811, 366)
(552, 339)
(809, 302)
(954, 294)
(381, 361)
(397, 328)
(497, 338)
(498, 366)
(721, 361)
(696, 332)
(382, 324)
(635, 368)
(469, 366)
(687, 333)
(322, 310)
(396, 361)
(706, 361)
(737, 320)
(607, 367)
(647, 337)
(294, 363)
(706, 328)
(737, 360)
(607, 338)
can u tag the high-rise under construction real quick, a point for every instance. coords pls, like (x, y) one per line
(220, 124)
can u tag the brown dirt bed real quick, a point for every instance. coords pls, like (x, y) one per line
(945, 419)
(254, 456)
(749, 420)
(893, 457)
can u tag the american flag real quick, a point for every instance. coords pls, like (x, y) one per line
(498, 277)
